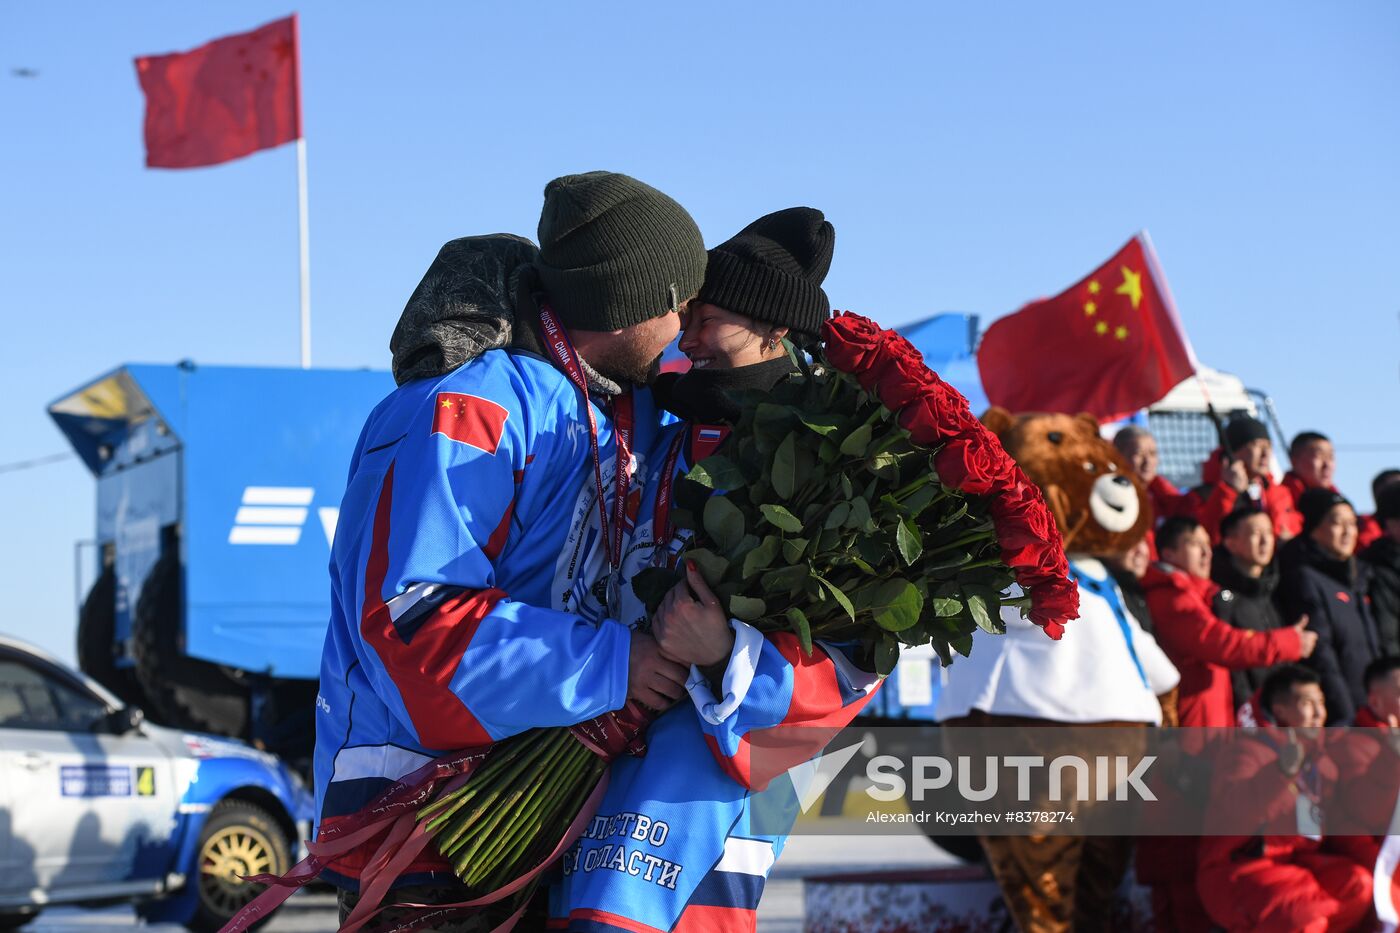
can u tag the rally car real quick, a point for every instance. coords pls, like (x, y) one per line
(98, 806)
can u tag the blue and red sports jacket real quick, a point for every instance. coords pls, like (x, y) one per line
(466, 576)
(685, 836)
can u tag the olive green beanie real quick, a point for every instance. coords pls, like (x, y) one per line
(615, 252)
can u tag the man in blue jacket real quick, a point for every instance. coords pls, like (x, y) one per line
(473, 586)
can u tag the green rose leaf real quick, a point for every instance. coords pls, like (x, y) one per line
(717, 472)
(741, 550)
(746, 608)
(945, 607)
(724, 522)
(785, 580)
(784, 472)
(794, 548)
(885, 466)
(963, 645)
(780, 517)
(821, 424)
(847, 491)
(859, 518)
(836, 593)
(801, 628)
(921, 499)
(857, 442)
(762, 557)
(712, 567)
(896, 605)
(886, 656)
(838, 515)
(770, 424)
(977, 607)
(909, 541)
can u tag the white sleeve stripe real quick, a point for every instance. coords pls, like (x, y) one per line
(738, 676)
(746, 857)
(376, 761)
(409, 598)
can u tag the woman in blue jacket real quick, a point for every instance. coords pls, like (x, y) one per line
(680, 843)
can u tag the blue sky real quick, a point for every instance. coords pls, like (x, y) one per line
(971, 158)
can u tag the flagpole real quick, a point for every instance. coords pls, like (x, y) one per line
(304, 230)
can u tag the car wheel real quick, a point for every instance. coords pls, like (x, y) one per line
(13, 921)
(239, 839)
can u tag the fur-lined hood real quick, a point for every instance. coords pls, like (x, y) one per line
(464, 306)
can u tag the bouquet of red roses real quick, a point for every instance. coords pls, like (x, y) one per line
(857, 501)
(860, 500)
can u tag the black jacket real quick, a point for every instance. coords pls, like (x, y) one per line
(1134, 597)
(1382, 561)
(1246, 602)
(1333, 594)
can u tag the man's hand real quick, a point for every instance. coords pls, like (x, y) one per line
(1307, 641)
(690, 626)
(1236, 476)
(653, 679)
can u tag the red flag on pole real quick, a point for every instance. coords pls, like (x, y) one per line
(223, 100)
(1109, 344)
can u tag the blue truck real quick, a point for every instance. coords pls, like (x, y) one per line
(218, 490)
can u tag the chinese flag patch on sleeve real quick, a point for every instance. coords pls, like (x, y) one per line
(470, 420)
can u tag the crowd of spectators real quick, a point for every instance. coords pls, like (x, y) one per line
(1280, 606)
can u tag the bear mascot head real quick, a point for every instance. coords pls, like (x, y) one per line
(1101, 507)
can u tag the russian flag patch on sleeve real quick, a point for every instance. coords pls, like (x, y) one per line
(470, 419)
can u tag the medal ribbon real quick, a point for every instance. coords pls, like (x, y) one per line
(563, 353)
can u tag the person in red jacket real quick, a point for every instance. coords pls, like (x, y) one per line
(1312, 465)
(1382, 709)
(1285, 876)
(1203, 647)
(1370, 528)
(1244, 479)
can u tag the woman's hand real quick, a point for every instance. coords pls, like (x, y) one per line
(689, 625)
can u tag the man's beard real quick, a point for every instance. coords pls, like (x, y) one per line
(625, 368)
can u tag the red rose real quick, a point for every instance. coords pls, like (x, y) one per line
(920, 419)
(1026, 531)
(1053, 604)
(852, 343)
(956, 415)
(901, 376)
(972, 465)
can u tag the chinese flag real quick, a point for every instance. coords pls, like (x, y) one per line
(470, 419)
(223, 100)
(1110, 344)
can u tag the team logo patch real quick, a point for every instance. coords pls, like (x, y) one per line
(470, 419)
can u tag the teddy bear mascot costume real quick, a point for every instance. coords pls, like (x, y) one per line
(1106, 670)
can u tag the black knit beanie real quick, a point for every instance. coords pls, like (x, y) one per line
(1315, 504)
(773, 269)
(1242, 429)
(615, 252)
